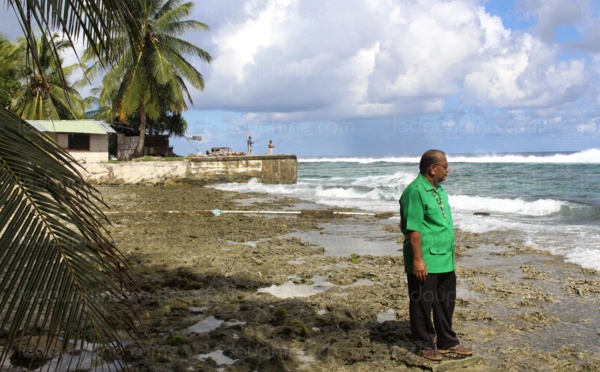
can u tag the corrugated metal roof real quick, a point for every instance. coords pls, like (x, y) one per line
(72, 126)
(104, 125)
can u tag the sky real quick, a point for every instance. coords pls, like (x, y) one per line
(395, 77)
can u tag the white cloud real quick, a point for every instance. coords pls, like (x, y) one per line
(587, 128)
(296, 60)
(552, 14)
(524, 72)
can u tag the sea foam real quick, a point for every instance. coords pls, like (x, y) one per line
(541, 207)
(588, 258)
(590, 156)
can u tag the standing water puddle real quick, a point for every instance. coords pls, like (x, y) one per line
(320, 284)
(218, 357)
(209, 324)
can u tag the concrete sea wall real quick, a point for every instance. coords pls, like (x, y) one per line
(270, 169)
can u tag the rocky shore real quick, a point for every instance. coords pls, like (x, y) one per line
(244, 292)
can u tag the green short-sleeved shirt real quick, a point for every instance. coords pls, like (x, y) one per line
(420, 211)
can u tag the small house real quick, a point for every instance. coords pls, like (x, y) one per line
(85, 140)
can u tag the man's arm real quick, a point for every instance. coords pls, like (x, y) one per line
(419, 267)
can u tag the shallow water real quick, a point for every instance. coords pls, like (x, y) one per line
(343, 239)
(218, 357)
(320, 284)
(512, 296)
(209, 324)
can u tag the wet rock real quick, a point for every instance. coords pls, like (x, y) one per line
(473, 363)
(185, 351)
(593, 366)
(37, 348)
(531, 273)
(582, 287)
(354, 348)
(589, 271)
(411, 360)
(534, 320)
(391, 332)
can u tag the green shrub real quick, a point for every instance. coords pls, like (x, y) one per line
(177, 340)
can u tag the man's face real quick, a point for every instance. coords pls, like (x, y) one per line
(441, 169)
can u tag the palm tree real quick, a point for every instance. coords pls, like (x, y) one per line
(55, 257)
(46, 94)
(103, 105)
(10, 62)
(149, 74)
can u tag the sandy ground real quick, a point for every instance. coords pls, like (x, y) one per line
(206, 280)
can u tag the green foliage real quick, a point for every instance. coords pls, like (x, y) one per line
(45, 92)
(354, 257)
(299, 327)
(9, 69)
(168, 123)
(280, 315)
(9, 86)
(177, 339)
(161, 358)
(149, 75)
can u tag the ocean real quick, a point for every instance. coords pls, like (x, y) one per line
(549, 201)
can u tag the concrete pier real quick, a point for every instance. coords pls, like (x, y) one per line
(269, 169)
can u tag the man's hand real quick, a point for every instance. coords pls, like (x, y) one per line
(420, 269)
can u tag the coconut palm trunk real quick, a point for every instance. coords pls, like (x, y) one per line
(139, 150)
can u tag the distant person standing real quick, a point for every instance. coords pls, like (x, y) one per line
(271, 147)
(250, 143)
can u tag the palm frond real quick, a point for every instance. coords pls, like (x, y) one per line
(185, 47)
(161, 7)
(56, 260)
(170, 16)
(95, 20)
(178, 28)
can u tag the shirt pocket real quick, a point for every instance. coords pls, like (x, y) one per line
(433, 210)
(438, 250)
(435, 243)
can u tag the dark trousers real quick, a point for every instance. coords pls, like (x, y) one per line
(437, 293)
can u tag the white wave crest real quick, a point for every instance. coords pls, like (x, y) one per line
(401, 159)
(590, 156)
(541, 207)
(253, 185)
(400, 179)
(586, 257)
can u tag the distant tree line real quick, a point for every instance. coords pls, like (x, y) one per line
(143, 85)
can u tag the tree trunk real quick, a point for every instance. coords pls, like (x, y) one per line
(139, 150)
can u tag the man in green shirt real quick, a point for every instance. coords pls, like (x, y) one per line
(426, 223)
